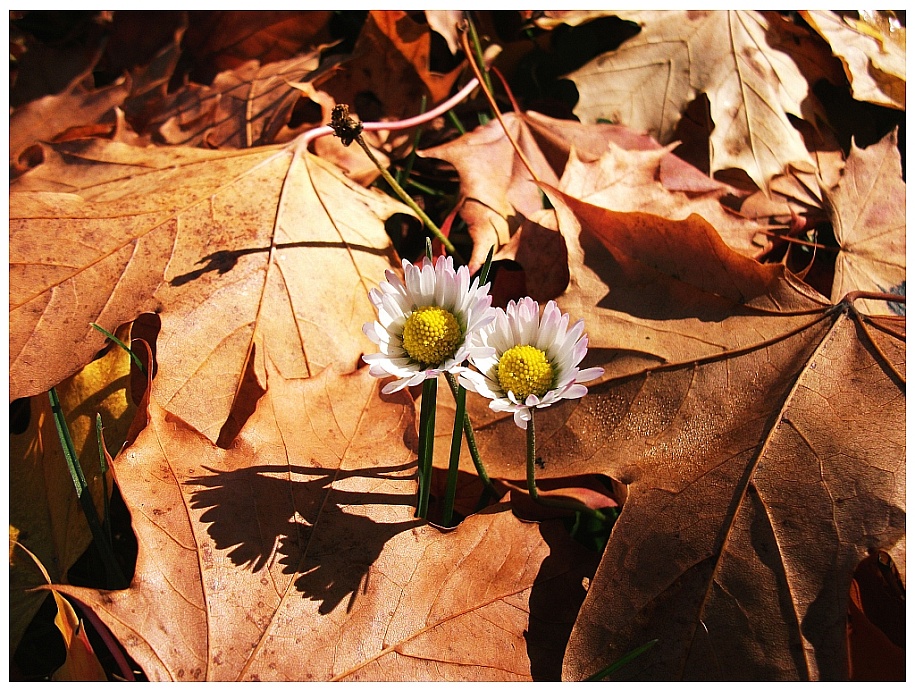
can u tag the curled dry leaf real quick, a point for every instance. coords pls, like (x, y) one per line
(48, 117)
(868, 212)
(498, 200)
(624, 180)
(747, 63)
(655, 290)
(294, 554)
(219, 41)
(244, 107)
(389, 72)
(874, 62)
(102, 232)
(446, 23)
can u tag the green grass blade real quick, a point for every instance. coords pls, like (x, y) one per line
(118, 341)
(625, 660)
(113, 573)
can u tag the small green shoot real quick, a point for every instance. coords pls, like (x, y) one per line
(119, 342)
(455, 120)
(625, 660)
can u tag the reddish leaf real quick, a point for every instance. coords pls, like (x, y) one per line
(218, 41)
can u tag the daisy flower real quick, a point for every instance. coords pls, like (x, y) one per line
(425, 322)
(535, 360)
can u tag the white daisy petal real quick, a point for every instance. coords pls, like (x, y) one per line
(431, 284)
(589, 374)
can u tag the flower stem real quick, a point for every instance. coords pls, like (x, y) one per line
(531, 458)
(554, 502)
(408, 200)
(488, 489)
(426, 442)
(454, 461)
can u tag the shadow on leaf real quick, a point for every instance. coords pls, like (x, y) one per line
(294, 516)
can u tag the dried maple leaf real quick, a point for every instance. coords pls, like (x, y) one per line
(217, 41)
(868, 210)
(760, 467)
(757, 482)
(497, 200)
(225, 245)
(749, 65)
(294, 555)
(51, 116)
(389, 72)
(243, 107)
(874, 61)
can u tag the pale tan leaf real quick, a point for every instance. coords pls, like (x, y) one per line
(294, 555)
(868, 210)
(446, 23)
(874, 62)
(735, 57)
(224, 245)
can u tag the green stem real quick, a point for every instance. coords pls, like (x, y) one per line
(554, 502)
(426, 442)
(488, 489)
(458, 125)
(425, 189)
(408, 200)
(113, 573)
(454, 461)
(532, 458)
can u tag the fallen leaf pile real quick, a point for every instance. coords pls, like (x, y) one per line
(747, 305)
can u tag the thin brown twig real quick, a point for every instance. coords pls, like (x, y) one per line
(465, 42)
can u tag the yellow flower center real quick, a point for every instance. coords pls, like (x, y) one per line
(431, 335)
(524, 370)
